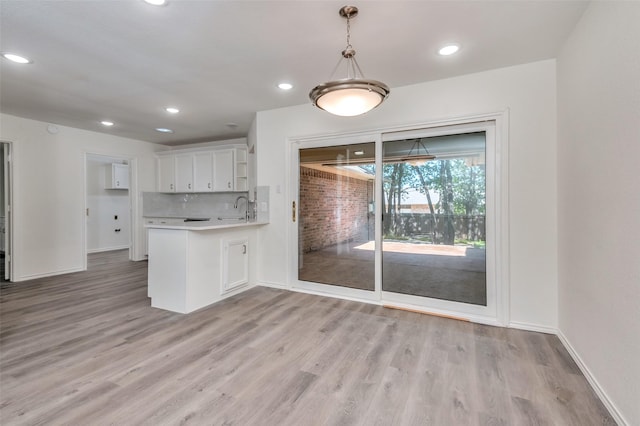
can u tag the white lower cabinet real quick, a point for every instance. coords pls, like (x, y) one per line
(235, 264)
(157, 221)
(193, 266)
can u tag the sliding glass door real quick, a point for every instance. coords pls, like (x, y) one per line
(336, 217)
(434, 217)
(405, 218)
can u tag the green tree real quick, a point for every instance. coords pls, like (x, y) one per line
(460, 187)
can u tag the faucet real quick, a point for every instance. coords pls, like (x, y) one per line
(246, 206)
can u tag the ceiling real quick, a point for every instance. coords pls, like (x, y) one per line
(219, 61)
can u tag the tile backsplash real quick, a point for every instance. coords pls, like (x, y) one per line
(197, 205)
(204, 205)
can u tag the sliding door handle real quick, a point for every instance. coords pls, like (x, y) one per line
(293, 211)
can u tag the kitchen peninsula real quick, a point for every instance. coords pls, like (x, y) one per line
(195, 264)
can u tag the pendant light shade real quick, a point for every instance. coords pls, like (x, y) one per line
(349, 97)
(355, 94)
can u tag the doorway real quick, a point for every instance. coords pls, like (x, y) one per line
(403, 218)
(108, 224)
(6, 212)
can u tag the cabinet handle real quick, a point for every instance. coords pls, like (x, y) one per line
(117, 183)
(209, 185)
(244, 249)
(189, 185)
(171, 186)
(228, 184)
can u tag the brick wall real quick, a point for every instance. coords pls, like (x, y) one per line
(333, 209)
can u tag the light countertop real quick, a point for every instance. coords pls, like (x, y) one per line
(204, 225)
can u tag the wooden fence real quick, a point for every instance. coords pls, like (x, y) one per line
(421, 225)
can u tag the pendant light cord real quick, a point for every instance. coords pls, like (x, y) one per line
(348, 33)
(353, 68)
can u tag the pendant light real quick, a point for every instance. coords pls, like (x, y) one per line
(353, 95)
(418, 159)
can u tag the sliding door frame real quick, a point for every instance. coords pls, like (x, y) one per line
(479, 313)
(319, 288)
(496, 127)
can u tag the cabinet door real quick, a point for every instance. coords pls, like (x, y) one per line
(184, 173)
(223, 170)
(120, 176)
(166, 174)
(115, 178)
(235, 264)
(203, 172)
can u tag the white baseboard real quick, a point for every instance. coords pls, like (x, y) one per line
(47, 274)
(476, 319)
(334, 296)
(532, 327)
(273, 285)
(100, 250)
(611, 407)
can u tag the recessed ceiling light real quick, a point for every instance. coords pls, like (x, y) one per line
(285, 86)
(163, 130)
(106, 123)
(449, 49)
(16, 58)
(156, 2)
(172, 110)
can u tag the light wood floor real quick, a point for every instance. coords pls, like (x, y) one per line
(87, 349)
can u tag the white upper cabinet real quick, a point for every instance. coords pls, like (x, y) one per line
(166, 174)
(223, 170)
(184, 173)
(117, 176)
(220, 170)
(203, 171)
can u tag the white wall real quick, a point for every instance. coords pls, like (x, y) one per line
(528, 91)
(599, 200)
(252, 140)
(2, 161)
(104, 206)
(49, 191)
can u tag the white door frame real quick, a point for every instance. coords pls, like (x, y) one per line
(497, 310)
(133, 203)
(8, 159)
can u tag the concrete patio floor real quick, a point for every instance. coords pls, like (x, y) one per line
(456, 273)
